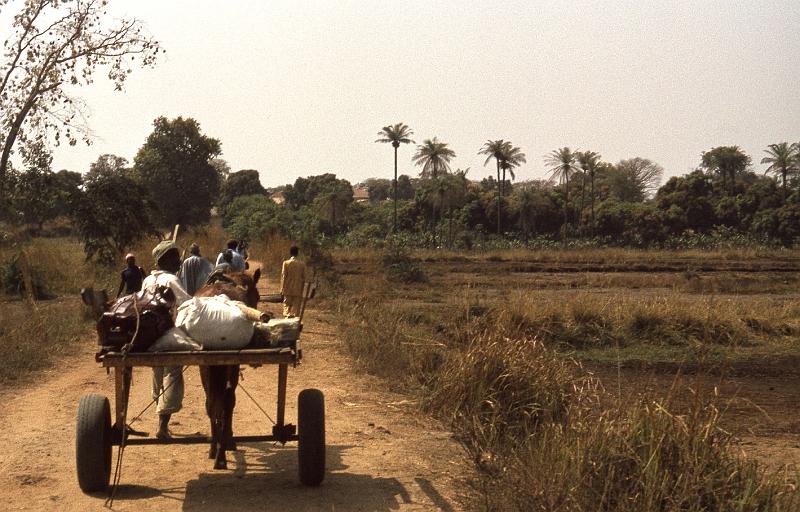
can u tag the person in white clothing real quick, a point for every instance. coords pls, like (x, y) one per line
(167, 386)
(237, 262)
(194, 271)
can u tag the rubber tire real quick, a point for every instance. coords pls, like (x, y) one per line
(311, 436)
(93, 443)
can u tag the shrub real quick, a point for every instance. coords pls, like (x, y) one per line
(399, 266)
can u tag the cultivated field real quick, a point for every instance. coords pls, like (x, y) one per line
(598, 379)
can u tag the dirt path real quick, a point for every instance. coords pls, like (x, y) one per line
(382, 455)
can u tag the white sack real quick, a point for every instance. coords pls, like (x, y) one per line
(173, 340)
(216, 322)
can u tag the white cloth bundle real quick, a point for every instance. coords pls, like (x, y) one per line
(174, 339)
(216, 322)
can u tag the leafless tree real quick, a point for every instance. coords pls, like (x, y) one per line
(54, 45)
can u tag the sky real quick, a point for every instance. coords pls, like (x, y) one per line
(296, 88)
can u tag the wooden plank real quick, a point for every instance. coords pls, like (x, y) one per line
(282, 377)
(204, 358)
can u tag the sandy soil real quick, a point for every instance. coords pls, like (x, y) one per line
(382, 454)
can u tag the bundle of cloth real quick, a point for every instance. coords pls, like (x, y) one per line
(219, 323)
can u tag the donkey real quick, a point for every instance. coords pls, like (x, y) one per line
(219, 382)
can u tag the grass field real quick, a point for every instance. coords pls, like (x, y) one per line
(597, 380)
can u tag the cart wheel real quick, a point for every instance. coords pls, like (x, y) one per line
(311, 436)
(93, 443)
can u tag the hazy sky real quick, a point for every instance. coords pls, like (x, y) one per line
(297, 88)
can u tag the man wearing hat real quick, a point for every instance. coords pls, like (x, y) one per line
(194, 271)
(132, 276)
(167, 380)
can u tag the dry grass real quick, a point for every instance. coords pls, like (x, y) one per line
(587, 256)
(620, 319)
(497, 364)
(34, 338)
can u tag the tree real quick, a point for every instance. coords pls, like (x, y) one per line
(634, 179)
(405, 189)
(67, 188)
(333, 202)
(55, 44)
(783, 160)
(512, 158)
(434, 157)
(727, 161)
(495, 149)
(243, 183)
(687, 202)
(35, 195)
(256, 217)
(532, 206)
(174, 165)
(305, 191)
(379, 189)
(561, 163)
(395, 135)
(589, 162)
(112, 212)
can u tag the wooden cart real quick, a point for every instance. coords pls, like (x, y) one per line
(95, 434)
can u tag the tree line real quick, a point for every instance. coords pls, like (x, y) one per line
(585, 198)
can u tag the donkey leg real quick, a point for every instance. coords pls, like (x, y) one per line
(220, 461)
(206, 378)
(230, 403)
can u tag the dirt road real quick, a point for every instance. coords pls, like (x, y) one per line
(382, 455)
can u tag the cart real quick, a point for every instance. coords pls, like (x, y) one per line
(95, 434)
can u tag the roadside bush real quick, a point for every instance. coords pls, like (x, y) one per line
(399, 266)
(497, 388)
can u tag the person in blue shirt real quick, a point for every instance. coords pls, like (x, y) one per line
(132, 276)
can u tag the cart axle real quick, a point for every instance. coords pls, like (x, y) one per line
(203, 440)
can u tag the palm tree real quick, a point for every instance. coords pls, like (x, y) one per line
(455, 195)
(561, 162)
(512, 158)
(434, 157)
(507, 157)
(783, 159)
(395, 134)
(524, 201)
(588, 161)
(728, 161)
(495, 149)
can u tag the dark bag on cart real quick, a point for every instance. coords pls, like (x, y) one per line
(139, 319)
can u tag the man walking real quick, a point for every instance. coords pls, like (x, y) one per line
(167, 389)
(132, 276)
(237, 264)
(293, 279)
(194, 271)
